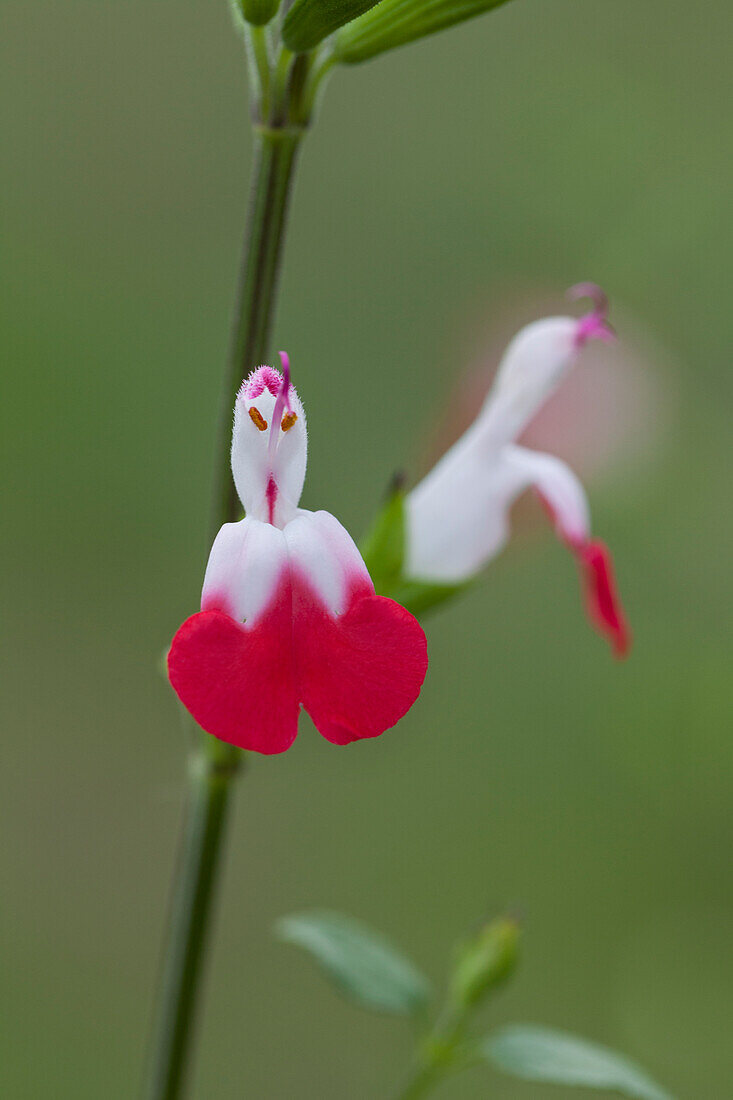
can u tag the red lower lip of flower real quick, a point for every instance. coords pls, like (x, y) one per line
(602, 599)
(356, 674)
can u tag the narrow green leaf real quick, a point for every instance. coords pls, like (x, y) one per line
(541, 1054)
(362, 964)
(258, 12)
(310, 21)
(397, 22)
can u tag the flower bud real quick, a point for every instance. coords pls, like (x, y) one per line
(258, 12)
(485, 961)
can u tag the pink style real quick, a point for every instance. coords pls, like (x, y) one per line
(289, 617)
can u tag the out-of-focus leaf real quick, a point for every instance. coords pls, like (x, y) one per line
(258, 12)
(362, 964)
(542, 1054)
(396, 22)
(310, 21)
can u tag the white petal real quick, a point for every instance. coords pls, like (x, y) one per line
(456, 518)
(255, 462)
(533, 365)
(455, 530)
(325, 554)
(246, 562)
(558, 486)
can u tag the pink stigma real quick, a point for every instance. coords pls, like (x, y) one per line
(594, 326)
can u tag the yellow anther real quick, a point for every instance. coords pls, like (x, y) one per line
(288, 420)
(257, 419)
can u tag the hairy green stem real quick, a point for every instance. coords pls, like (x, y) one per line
(215, 764)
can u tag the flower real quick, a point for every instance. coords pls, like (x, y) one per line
(457, 517)
(289, 616)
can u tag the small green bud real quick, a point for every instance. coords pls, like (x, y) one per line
(486, 961)
(258, 12)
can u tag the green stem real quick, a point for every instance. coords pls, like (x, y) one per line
(422, 1081)
(440, 1054)
(259, 66)
(215, 764)
(275, 157)
(212, 769)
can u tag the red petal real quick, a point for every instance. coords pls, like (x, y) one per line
(602, 598)
(238, 682)
(359, 672)
(355, 674)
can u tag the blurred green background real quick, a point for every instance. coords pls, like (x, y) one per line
(446, 190)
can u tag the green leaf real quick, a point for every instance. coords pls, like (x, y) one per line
(397, 22)
(258, 12)
(383, 549)
(362, 964)
(541, 1054)
(310, 21)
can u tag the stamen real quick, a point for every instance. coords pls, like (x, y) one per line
(257, 419)
(594, 326)
(282, 402)
(288, 420)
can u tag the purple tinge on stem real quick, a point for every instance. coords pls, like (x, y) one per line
(594, 326)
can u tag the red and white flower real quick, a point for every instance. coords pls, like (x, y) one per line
(457, 518)
(289, 616)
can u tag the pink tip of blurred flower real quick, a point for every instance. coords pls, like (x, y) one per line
(594, 325)
(601, 594)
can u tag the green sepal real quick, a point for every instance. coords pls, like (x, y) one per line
(258, 12)
(310, 21)
(362, 964)
(422, 596)
(543, 1054)
(397, 22)
(485, 962)
(383, 548)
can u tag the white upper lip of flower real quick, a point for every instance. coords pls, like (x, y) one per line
(269, 453)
